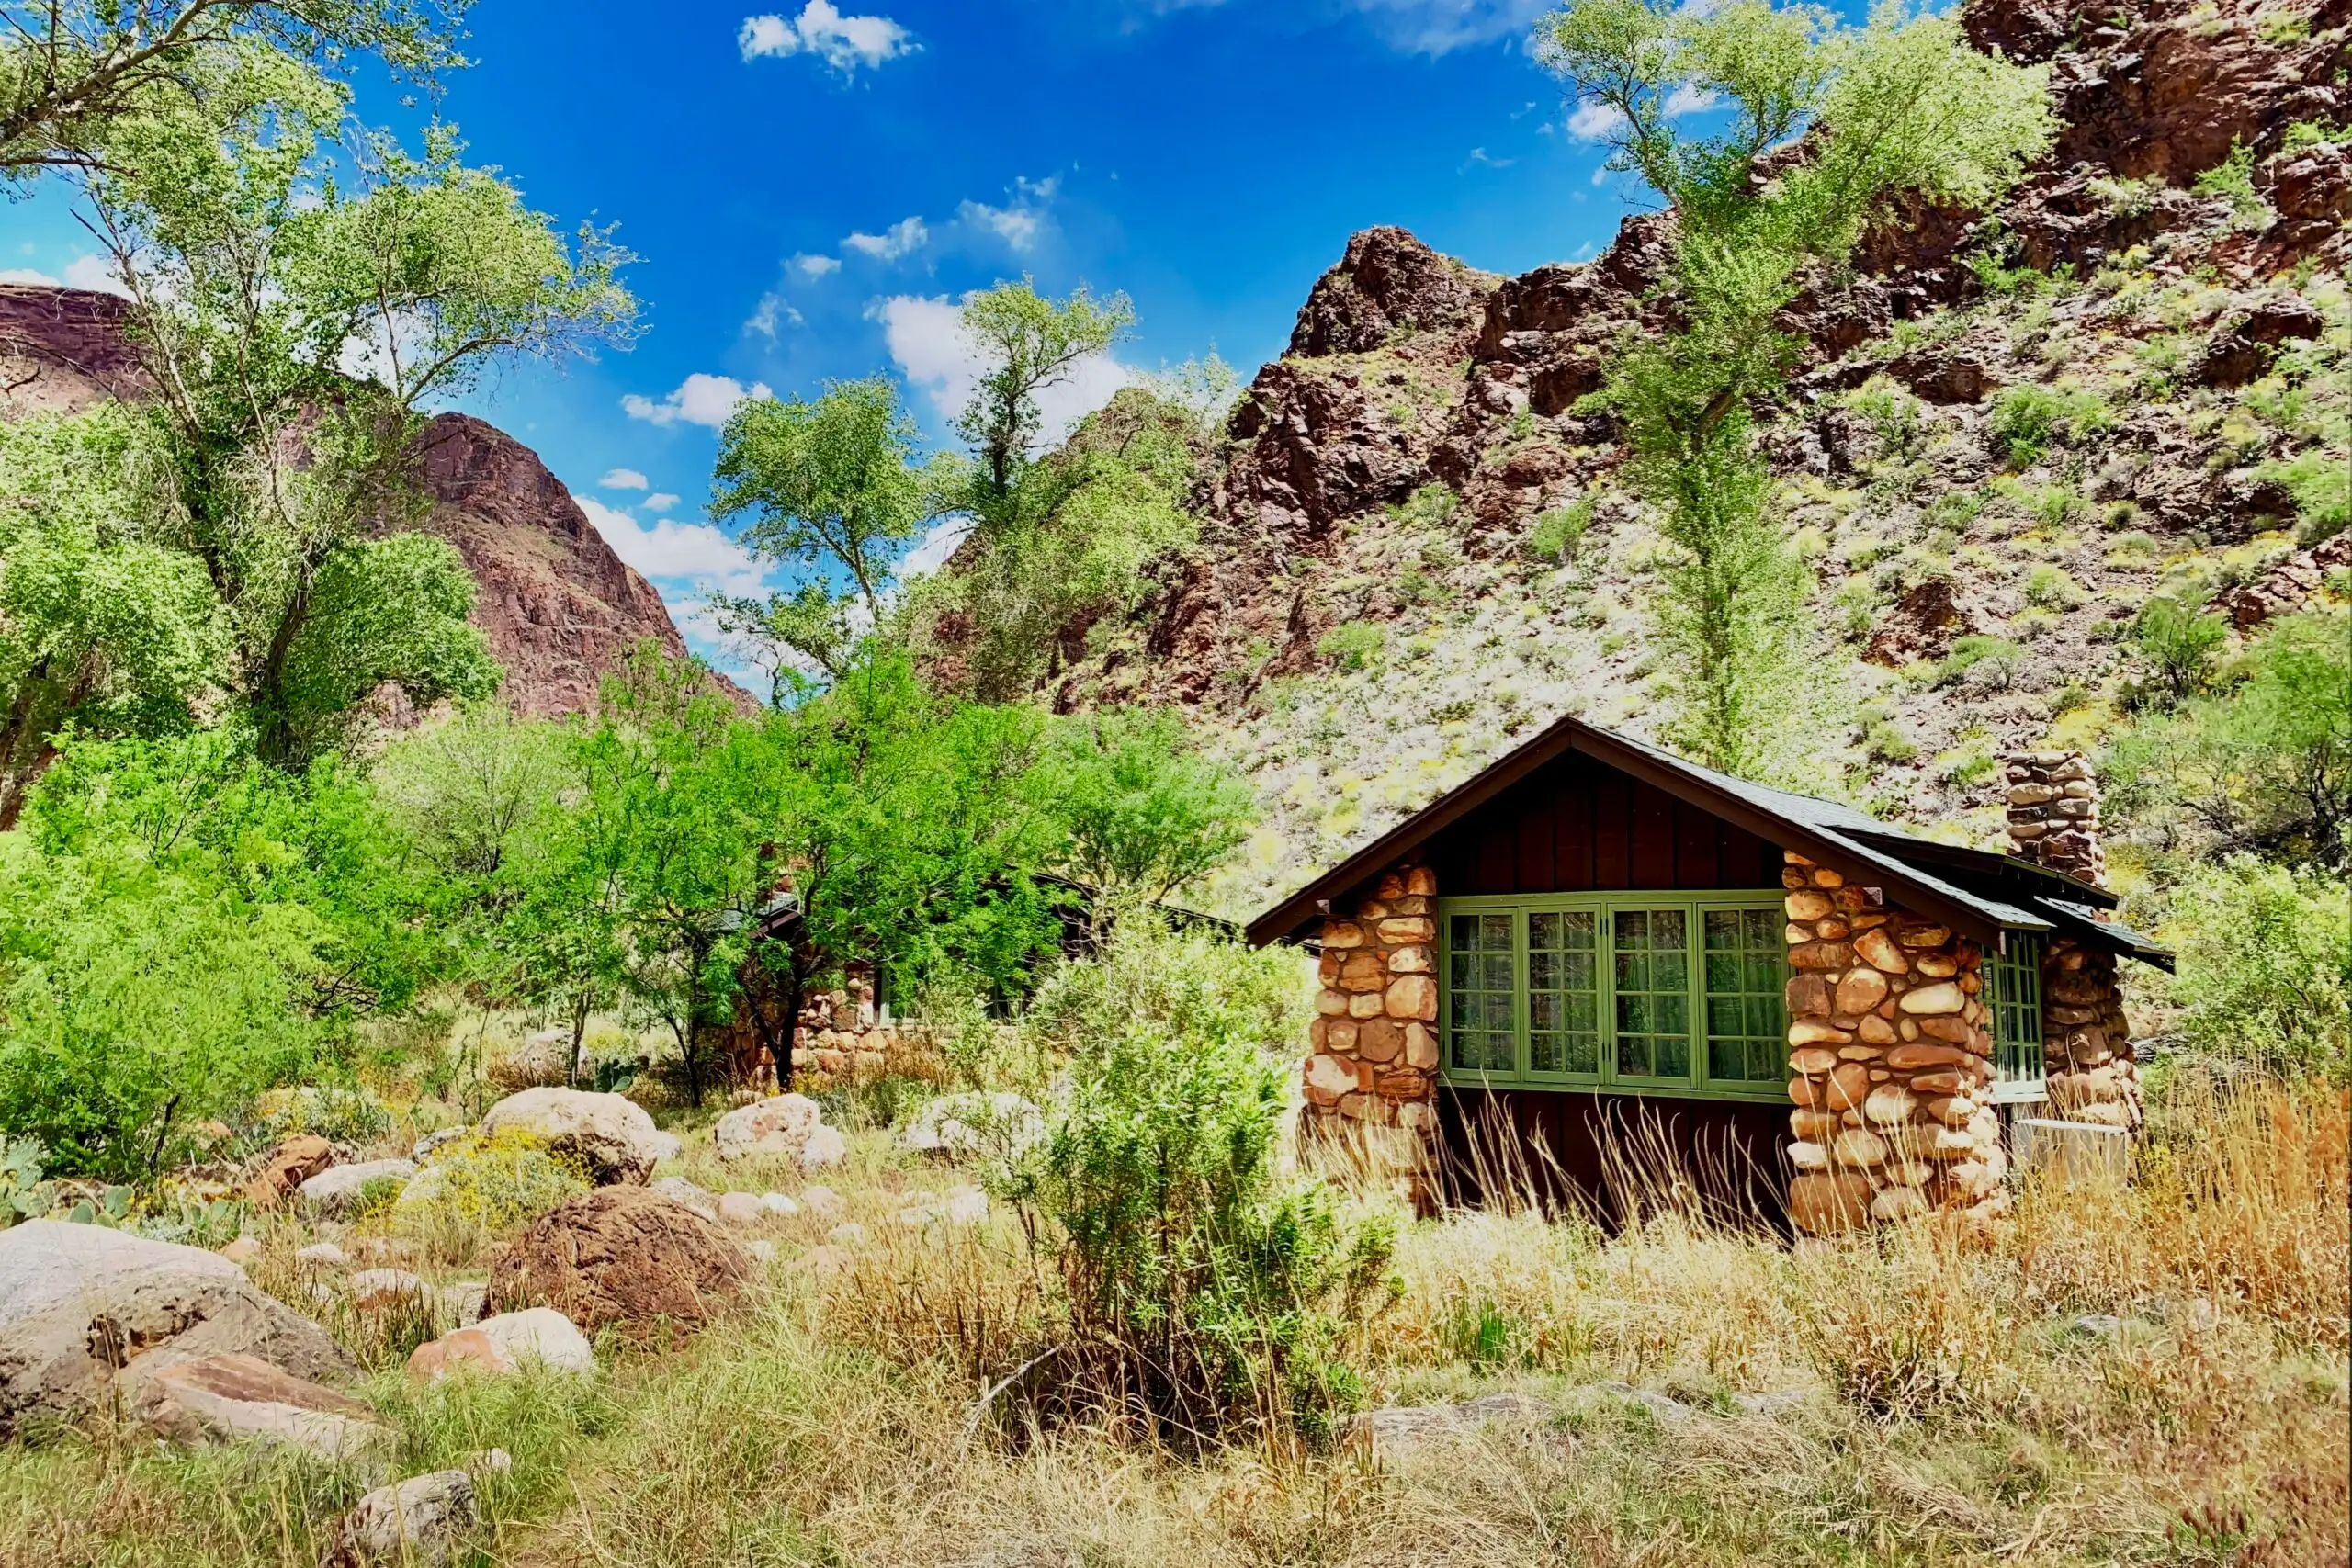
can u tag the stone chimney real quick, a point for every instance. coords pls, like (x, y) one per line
(2054, 813)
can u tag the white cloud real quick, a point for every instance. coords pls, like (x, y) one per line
(94, 272)
(773, 309)
(1590, 122)
(677, 552)
(698, 399)
(1687, 99)
(622, 479)
(842, 42)
(660, 501)
(938, 545)
(1480, 155)
(906, 235)
(1417, 27)
(926, 339)
(1016, 226)
(816, 266)
(26, 275)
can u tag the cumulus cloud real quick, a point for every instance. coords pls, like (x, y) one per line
(94, 272)
(1016, 226)
(1690, 99)
(907, 234)
(1590, 122)
(26, 275)
(1416, 26)
(936, 546)
(667, 550)
(927, 341)
(845, 43)
(698, 399)
(773, 311)
(816, 266)
(660, 501)
(622, 479)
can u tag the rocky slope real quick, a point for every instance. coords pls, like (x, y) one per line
(1414, 547)
(557, 606)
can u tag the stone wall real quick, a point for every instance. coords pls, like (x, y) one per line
(2086, 1038)
(1375, 1056)
(1890, 1051)
(2085, 1041)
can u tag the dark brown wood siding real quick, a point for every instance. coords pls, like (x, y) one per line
(1578, 826)
(1610, 1153)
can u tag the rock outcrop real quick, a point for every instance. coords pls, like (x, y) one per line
(611, 1138)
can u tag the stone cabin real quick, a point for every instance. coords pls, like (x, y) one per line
(1595, 957)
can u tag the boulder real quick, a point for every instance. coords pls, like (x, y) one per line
(75, 1299)
(289, 1165)
(961, 1126)
(964, 1206)
(779, 1125)
(678, 1190)
(612, 1138)
(776, 1205)
(240, 1399)
(419, 1523)
(375, 1289)
(507, 1344)
(625, 1257)
(740, 1208)
(822, 1201)
(322, 1255)
(338, 1191)
(826, 1147)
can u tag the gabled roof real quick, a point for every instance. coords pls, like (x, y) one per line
(1976, 892)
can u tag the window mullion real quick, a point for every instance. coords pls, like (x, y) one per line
(1521, 978)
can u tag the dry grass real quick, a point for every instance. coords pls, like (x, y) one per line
(1946, 1408)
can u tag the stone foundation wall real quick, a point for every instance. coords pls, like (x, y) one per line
(1891, 1049)
(2085, 1041)
(1375, 1056)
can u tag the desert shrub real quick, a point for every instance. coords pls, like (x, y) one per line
(2179, 644)
(1201, 1287)
(2321, 486)
(1353, 645)
(340, 1114)
(2232, 179)
(482, 1186)
(1990, 661)
(2027, 420)
(1557, 532)
(2265, 968)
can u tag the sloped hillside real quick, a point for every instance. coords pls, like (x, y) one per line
(2010, 430)
(557, 606)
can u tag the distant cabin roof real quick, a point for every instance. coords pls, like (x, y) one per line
(1976, 891)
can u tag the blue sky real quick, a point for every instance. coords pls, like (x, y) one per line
(812, 188)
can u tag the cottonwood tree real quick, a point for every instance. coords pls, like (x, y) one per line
(1855, 116)
(829, 488)
(1144, 815)
(302, 291)
(1028, 344)
(70, 69)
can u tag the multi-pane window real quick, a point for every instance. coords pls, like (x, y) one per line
(1747, 973)
(1643, 991)
(1563, 992)
(1482, 993)
(2016, 995)
(1653, 993)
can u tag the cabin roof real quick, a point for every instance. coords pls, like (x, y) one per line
(1976, 891)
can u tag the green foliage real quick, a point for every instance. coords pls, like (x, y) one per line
(1557, 532)
(2232, 180)
(340, 1115)
(1991, 661)
(71, 70)
(830, 488)
(2321, 481)
(1201, 1286)
(1144, 816)
(1028, 344)
(2266, 966)
(2029, 419)
(2049, 587)
(2263, 763)
(1073, 542)
(1901, 105)
(1885, 742)
(2306, 134)
(21, 1169)
(2179, 644)
(181, 929)
(1353, 645)
(485, 1185)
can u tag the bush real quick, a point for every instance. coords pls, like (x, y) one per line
(1201, 1287)
(1991, 661)
(2027, 420)
(1353, 645)
(2265, 968)
(480, 1187)
(2179, 644)
(2049, 587)
(339, 1115)
(1557, 532)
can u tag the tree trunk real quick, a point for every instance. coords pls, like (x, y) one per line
(579, 1032)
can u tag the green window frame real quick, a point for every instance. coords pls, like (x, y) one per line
(1636, 993)
(2013, 976)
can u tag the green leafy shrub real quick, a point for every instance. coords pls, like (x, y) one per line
(2320, 482)
(2049, 587)
(2265, 968)
(2232, 180)
(340, 1115)
(2027, 420)
(1557, 532)
(1353, 645)
(480, 1187)
(1990, 661)
(2179, 644)
(1886, 743)
(2305, 134)
(1201, 1287)
(20, 1194)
